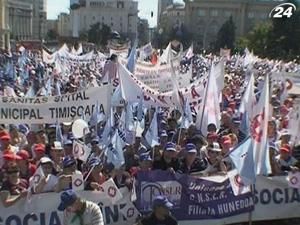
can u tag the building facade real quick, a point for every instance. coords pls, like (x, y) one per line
(4, 32)
(39, 18)
(173, 16)
(119, 15)
(162, 5)
(19, 19)
(64, 25)
(207, 17)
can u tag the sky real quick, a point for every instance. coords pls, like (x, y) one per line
(54, 7)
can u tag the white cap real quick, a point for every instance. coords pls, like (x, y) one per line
(44, 160)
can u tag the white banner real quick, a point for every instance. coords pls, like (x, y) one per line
(43, 210)
(159, 77)
(271, 195)
(64, 108)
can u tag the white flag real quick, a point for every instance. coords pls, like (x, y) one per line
(294, 180)
(259, 129)
(77, 182)
(237, 185)
(36, 178)
(81, 151)
(211, 111)
(111, 190)
(152, 133)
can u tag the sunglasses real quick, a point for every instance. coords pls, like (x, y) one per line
(13, 171)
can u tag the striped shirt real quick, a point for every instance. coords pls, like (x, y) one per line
(92, 216)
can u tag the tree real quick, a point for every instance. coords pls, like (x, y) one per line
(99, 36)
(226, 35)
(52, 34)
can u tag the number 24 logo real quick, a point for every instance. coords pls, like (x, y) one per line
(283, 10)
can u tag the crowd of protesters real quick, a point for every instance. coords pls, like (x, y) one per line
(25, 148)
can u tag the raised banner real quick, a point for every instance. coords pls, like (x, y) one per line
(193, 198)
(64, 108)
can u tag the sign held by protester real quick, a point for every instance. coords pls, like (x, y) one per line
(64, 108)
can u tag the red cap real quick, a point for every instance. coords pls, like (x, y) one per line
(23, 154)
(39, 148)
(285, 148)
(4, 136)
(226, 140)
(212, 135)
(11, 157)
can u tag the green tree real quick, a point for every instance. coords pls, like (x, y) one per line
(105, 34)
(226, 35)
(52, 34)
(97, 35)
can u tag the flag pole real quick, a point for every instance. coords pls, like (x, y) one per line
(250, 216)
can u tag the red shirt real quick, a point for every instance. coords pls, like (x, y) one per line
(15, 189)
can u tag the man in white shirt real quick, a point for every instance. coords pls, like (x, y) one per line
(78, 211)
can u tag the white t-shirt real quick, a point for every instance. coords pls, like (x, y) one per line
(52, 181)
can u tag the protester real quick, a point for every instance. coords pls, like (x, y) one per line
(161, 213)
(79, 211)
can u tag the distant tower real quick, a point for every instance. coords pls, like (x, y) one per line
(162, 5)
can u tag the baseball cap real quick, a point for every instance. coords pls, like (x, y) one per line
(45, 160)
(5, 136)
(191, 148)
(11, 157)
(57, 145)
(285, 148)
(67, 198)
(94, 162)
(68, 161)
(39, 148)
(145, 157)
(162, 201)
(23, 154)
(170, 146)
(214, 147)
(68, 142)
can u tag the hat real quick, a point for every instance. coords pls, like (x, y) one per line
(285, 132)
(57, 145)
(45, 160)
(236, 120)
(214, 147)
(68, 142)
(95, 140)
(162, 201)
(163, 133)
(67, 198)
(5, 136)
(67, 123)
(11, 157)
(23, 154)
(145, 157)
(226, 140)
(285, 148)
(170, 146)
(68, 161)
(94, 162)
(212, 135)
(39, 148)
(191, 148)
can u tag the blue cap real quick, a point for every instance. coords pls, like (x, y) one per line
(95, 140)
(163, 133)
(67, 198)
(94, 162)
(162, 201)
(68, 161)
(170, 146)
(191, 148)
(145, 157)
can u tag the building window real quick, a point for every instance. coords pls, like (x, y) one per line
(112, 24)
(214, 12)
(201, 12)
(250, 15)
(227, 13)
(102, 17)
(120, 5)
(178, 13)
(111, 18)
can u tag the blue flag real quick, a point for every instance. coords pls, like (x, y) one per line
(59, 136)
(132, 58)
(243, 159)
